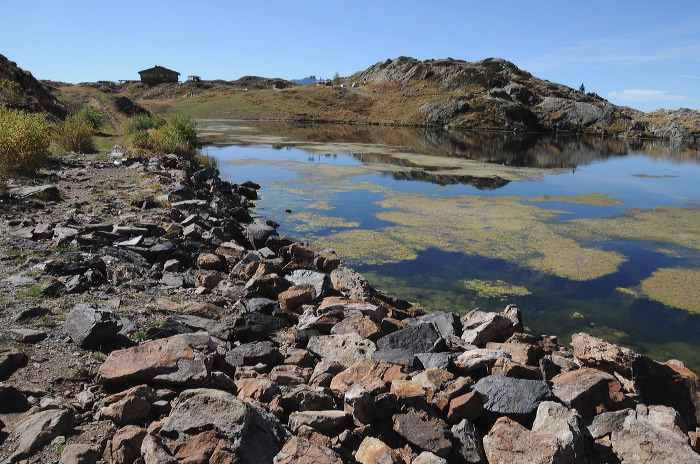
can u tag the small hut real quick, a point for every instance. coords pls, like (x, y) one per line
(158, 75)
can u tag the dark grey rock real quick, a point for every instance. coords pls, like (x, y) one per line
(36, 311)
(262, 305)
(41, 192)
(189, 324)
(421, 338)
(251, 327)
(258, 233)
(432, 435)
(250, 354)
(515, 398)
(11, 359)
(447, 324)
(28, 335)
(438, 360)
(92, 325)
(400, 356)
(469, 448)
(307, 398)
(77, 284)
(54, 289)
(12, 400)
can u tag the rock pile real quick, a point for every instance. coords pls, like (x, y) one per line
(296, 359)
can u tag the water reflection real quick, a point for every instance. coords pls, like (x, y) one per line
(519, 150)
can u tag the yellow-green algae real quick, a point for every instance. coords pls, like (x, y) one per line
(677, 287)
(495, 288)
(663, 225)
(322, 205)
(315, 222)
(369, 247)
(500, 228)
(593, 199)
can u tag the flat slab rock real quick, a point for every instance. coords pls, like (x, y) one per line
(182, 360)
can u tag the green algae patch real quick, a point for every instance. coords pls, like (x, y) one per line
(663, 225)
(495, 289)
(315, 222)
(650, 176)
(322, 205)
(593, 199)
(675, 287)
(369, 247)
(498, 228)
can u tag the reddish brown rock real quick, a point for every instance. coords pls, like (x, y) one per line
(125, 446)
(510, 368)
(294, 297)
(586, 390)
(256, 389)
(360, 325)
(599, 354)
(210, 262)
(127, 411)
(412, 394)
(467, 406)
(370, 373)
(302, 451)
(519, 352)
(178, 360)
(509, 442)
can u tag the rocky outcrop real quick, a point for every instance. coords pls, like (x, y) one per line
(238, 372)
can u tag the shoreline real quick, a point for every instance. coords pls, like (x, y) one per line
(140, 289)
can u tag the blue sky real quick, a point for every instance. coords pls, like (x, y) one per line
(644, 54)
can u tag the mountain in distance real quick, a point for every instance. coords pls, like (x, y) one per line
(307, 80)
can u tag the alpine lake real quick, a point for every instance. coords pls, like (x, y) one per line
(585, 234)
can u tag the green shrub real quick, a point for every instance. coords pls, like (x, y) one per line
(178, 135)
(93, 117)
(141, 123)
(74, 134)
(24, 141)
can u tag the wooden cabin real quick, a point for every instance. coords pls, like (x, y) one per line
(158, 75)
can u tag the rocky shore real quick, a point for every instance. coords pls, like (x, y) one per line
(147, 318)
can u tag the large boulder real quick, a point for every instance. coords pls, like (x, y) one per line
(182, 360)
(255, 435)
(92, 325)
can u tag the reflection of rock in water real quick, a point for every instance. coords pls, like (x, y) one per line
(481, 183)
